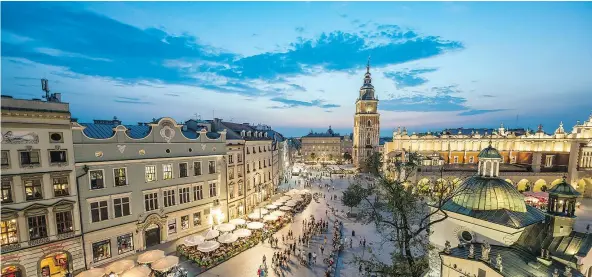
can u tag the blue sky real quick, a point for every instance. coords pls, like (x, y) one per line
(299, 65)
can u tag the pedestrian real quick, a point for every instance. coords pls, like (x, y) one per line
(322, 249)
(283, 238)
(314, 258)
(360, 269)
(264, 259)
(364, 242)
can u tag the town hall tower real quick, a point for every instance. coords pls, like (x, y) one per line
(366, 122)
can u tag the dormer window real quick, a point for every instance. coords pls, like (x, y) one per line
(248, 133)
(243, 133)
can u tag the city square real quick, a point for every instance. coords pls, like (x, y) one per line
(332, 139)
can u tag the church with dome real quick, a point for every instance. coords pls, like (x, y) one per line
(491, 231)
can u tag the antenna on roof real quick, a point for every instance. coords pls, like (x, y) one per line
(45, 87)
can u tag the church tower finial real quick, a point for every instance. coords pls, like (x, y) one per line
(368, 66)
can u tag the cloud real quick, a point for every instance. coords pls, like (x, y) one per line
(343, 15)
(130, 100)
(290, 103)
(477, 112)
(172, 94)
(297, 87)
(488, 95)
(409, 78)
(299, 29)
(436, 99)
(132, 55)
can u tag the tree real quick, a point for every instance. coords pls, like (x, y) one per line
(352, 196)
(313, 156)
(402, 216)
(347, 156)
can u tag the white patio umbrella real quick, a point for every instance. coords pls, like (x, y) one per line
(238, 221)
(304, 191)
(120, 266)
(165, 264)
(278, 203)
(211, 234)
(208, 246)
(285, 208)
(242, 233)
(254, 216)
(270, 217)
(93, 272)
(285, 198)
(193, 240)
(138, 271)
(290, 204)
(263, 211)
(292, 192)
(278, 213)
(226, 227)
(227, 238)
(271, 206)
(255, 225)
(150, 256)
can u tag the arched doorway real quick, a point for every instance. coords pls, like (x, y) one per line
(555, 182)
(152, 235)
(540, 185)
(523, 185)
(13, 270)
(57, 264)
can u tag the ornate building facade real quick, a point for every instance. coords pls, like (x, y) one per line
(146, 184)
(40, 229)
(530, 160)
(366, 122)
(322, 146)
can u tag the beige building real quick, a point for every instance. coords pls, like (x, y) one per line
(40, 227)
(146, 184)
(530, 160)
(258, 177)
(322, 146)
(366, 122)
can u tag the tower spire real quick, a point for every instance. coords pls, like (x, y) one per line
(368, 65)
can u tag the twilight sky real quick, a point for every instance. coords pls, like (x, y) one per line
(299, 65)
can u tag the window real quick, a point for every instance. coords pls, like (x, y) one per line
(8, 232)
(150, 173)
(196, 168)
(213, 190)
(29, 158)
(169, 198)
(197, 193)
(239, 157)
(96, 179)
(64, 222)
(264, 163)
(151, 201)
(182, 170)
(269, 176)
(471, 159)
(455, 159)
(99, 211)
(513, 159)
(239, 172)
(57, 156)
(6, 192)
(248, 168)
(249, 183)
(230, 173)
(230, 159)
(259, 164)
(185, 222)
(240, 190)
(121, 206)
(5, 158)
(254, 150)
(172, 226)
(368, 140)
(549, 160)
(56, 137)
(60, 186)
(37, 227)
(466, 236)
(248, 152)
(125, 243)
(120, 176)
(167, 171)
(231, 191)
(197, 219)
(33, 189)
(211, 167)
(101, 250)
(183, 195)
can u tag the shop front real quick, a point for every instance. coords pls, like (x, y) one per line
(55, 265)
(12, 271)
